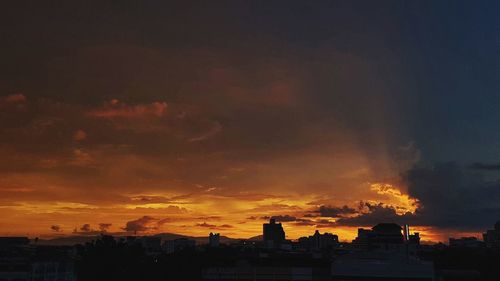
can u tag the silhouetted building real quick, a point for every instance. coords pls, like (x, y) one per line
(15, 268)
(388, 237)
(269, 266)
(381, 267)
(319, 241)
(53, 263)
(6, 242)
(266, 273)
(53, 270)
(465, 242)
(214, 240)
(150, 244)
(15, 261)
(381, 234)
(20, 261)
(273, 233)
(176, 245)
(414, 238)
(492, 237)
(459, 275)
(388, 252)
(387, 233)
(362, 240)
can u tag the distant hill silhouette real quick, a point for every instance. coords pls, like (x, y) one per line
(256, 238)
(200, 240)
(82, 239)
(67, 240)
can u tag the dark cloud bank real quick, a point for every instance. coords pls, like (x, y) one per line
(449, 195)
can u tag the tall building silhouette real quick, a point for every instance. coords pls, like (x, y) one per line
(273, 232)
(492, 237)
(214, 239)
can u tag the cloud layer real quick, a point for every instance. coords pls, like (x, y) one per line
(170, 117)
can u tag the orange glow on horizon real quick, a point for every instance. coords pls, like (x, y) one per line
(238, 215)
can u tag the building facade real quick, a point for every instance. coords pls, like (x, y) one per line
(273, 233)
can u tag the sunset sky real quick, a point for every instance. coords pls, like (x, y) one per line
(162, 116)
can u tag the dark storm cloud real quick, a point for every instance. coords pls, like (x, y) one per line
(206, 225)
(282, 218)
(85, 228)
(335, 212)
(209, 218)
(322, 223)
(104, 226)
(412, 35)
(376, 214)
(213, 226)
(311, 215)
(173, 103)
(159, 199)
(304, 222)
(301, 221)
(448, 195)
(485, 167)
(119, 99)
(140, 224)
(56, 228)
(451, 196)
(319, 223)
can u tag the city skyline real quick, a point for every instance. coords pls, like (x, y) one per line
(216, 117)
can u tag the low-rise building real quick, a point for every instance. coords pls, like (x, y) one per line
(492, 237)
(266, 273)
(387, 237)
(150, 244)
(465, 242)
(379, 266)
(172, 246)
(319, 241)
(15, 263)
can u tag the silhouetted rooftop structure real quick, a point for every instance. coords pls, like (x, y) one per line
(20, 261)
(269, 266)
(179, 244)
(388, 237)
(465, 242)
(319, 241)
(13, 241)
(214, 239)
(273, 232)
(381, 267)
(380, 233)
(492, 236)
